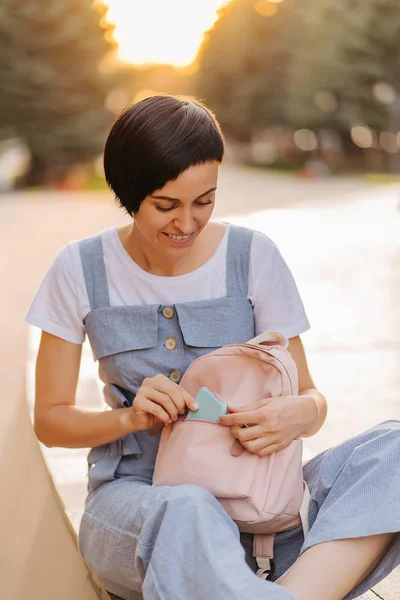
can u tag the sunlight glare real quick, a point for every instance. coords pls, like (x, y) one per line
(265, 8)
(161, 31)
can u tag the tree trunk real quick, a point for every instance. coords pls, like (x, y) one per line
(41, 173)
(37, 174)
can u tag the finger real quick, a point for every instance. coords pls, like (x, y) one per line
(242, 408)
(242, 418)
(258, 445)
(245, 434)
(248, 407)
(152, 408)
(190, 402)
(163, 385)
(181, 398)
(165, 401)
(270, 449)
(255, 446)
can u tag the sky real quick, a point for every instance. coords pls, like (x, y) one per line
(161, 31)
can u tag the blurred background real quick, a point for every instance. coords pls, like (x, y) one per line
(304, 86)
(308, 95)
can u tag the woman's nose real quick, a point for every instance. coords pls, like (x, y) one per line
(185, 222)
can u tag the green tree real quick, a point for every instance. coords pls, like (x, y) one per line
(372, 55)
(52, 90)
(243, 64)
(347, 48)
(315, 68)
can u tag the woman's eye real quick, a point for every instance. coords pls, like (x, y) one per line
(210, 201)
(168, 208)
(163, 209)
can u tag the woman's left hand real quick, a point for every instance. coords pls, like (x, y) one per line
(272, 423)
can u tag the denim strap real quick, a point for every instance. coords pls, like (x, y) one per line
(94, 272)
(238, 261)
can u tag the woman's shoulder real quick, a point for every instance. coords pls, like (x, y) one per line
(262, 243)
(259, 239)
(70, 252)
(105, 235)
(262, 246)
(66, 266)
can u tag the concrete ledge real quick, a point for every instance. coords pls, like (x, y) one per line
(67, 468)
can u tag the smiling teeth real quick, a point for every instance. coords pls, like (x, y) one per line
(179, 237)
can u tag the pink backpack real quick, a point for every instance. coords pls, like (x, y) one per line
(263, 495)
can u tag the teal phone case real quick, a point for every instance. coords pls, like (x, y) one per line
(210, 406)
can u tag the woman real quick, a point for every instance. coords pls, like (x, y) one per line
(152, 296)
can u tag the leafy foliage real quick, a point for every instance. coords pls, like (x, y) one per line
(243, 64)
(347, 48)
(53, 93)
(315, 63)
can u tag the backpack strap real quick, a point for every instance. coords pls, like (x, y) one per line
(94, 272)
(263, 550)
(263, 545)
(303, 510)
(238, 261)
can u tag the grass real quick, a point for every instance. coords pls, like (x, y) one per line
(95, 183)
(381, 178)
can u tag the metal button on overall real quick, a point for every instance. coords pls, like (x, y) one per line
(167, 312)
(175, 376)
(170, 343)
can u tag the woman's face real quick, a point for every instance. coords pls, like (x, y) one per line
(170, 219)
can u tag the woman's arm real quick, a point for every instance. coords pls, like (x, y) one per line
(276, 422)
(313, 403)
(58, 422)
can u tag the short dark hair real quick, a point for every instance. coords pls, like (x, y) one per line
(153, 141)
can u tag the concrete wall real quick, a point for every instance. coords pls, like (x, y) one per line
(38, 552)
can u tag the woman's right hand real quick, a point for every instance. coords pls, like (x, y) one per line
(159, 401)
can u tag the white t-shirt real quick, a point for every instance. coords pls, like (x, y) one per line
(61, 303)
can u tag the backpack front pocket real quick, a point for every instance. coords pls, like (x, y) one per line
(199, 453)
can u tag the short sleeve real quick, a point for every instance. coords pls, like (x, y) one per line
(273, 292)
(56, 307)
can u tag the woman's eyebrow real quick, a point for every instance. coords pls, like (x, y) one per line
(177, 199)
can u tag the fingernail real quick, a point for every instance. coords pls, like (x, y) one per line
(176, 418)
(195, 406)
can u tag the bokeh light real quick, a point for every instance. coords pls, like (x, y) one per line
(117, 99)
(388, 141)
(305, 140)
(265, 9)
(144, 93)
(362, 136)
(326, 101)
(384, 92)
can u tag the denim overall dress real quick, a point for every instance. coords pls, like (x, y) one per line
(177, 543)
